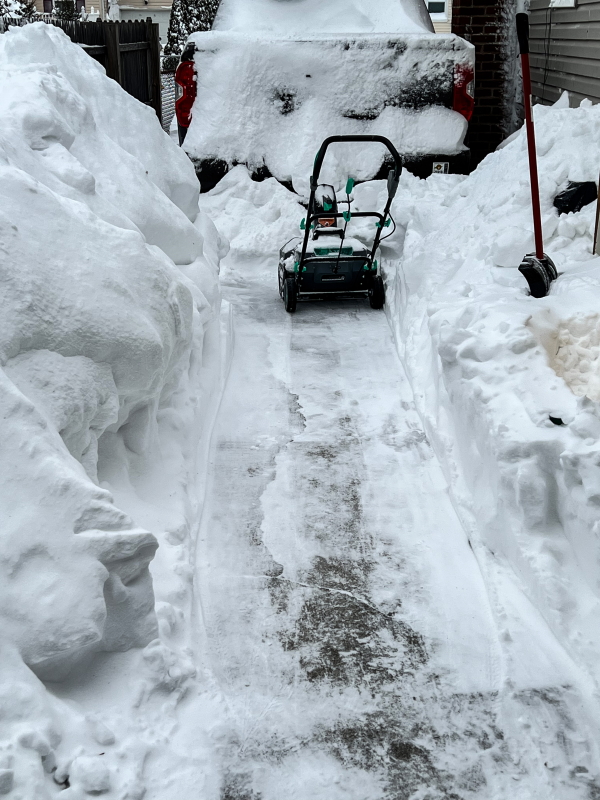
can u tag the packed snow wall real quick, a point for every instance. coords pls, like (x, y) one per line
(508, 384)
(109, 279)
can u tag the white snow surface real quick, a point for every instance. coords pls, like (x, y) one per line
(484, 365)
(378, 566)
(109, 296)
(269, 102)
(490, 365)
(300, 17)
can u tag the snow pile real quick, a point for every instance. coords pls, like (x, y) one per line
(500, 377)
(269, 103)
(109, 277)
(573, 347)
(315, 16)
(257, 218)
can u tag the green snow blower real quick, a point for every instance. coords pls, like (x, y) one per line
(325, 262)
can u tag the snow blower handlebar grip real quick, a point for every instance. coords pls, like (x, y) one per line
(523, 33)
(354, 138)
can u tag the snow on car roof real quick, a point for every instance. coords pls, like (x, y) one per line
(297, 17)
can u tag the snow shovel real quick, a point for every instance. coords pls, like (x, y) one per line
(537, 268)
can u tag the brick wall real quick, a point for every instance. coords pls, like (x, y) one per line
(490, 27)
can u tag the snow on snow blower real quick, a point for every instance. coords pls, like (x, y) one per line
(326, 262)
(537, 268)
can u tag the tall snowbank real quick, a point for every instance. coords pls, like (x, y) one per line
(109, 277)
(496, 371)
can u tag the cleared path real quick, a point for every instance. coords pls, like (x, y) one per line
(347, 623)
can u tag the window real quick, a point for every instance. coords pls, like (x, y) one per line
(48, 6)
(79, 5)
(437, 7)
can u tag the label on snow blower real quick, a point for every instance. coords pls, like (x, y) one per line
(440, 168)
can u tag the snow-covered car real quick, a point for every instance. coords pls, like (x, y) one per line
(273, 79)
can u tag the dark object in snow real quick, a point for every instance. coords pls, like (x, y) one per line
(577, 195)
(319, 264)
(556, 420)
(290, 294)
(539, 273)
(538, 268)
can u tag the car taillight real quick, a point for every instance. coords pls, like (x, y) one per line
(463, 99)
(185, 87)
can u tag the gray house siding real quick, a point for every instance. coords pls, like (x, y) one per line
(565, 51)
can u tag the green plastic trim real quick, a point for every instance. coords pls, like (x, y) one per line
(347, 215)
(327, 206)
(349, 185)
(303, 224)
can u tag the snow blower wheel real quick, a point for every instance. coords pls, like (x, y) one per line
(377, 293)
(290, 294)
(326, 261)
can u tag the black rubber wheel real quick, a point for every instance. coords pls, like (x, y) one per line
(377, 293)
(289, 295)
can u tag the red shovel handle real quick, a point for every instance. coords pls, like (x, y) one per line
(523, 36)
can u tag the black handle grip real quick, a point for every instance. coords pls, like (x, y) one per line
(523, 32)
(359, 137)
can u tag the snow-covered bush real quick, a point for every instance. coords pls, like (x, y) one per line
(507, 384)
(187, 17)
(108, 276)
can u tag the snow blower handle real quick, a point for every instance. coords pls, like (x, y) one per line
(358, 137)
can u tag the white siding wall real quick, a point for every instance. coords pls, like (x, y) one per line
(565, 51)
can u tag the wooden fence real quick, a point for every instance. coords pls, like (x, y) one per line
(128, 51)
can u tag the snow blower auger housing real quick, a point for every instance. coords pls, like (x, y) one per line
(326, 262)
